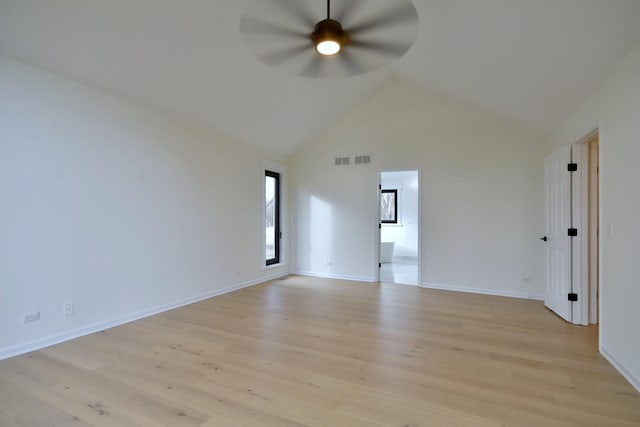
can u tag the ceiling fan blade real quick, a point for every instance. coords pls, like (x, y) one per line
(399, 14)
(347, 9)
(259, 27)
(298, 10)
(275, 58)
(314, 67)
(388, 48)
(351, 64)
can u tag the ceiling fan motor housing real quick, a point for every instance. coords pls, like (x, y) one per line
(329, 30)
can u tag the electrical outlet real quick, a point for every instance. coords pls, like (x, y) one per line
(67, 308)
(31, 317)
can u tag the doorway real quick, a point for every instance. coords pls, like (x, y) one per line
(399, 227)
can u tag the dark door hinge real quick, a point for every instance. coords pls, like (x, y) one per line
(573, 297)
(573, 232)
(572, 167)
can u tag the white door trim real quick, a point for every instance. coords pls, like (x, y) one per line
(378, 231)
(594, 235)
(580, 243)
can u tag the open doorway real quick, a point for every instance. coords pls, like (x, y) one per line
(399, 227)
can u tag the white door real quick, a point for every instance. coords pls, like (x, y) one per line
(557, 201)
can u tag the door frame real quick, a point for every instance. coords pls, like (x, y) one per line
(586, 218)
(378, 228)
(594, 228)
(580, 243)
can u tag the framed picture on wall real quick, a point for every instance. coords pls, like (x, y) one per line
(389, 206)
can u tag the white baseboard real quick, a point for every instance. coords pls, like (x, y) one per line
(334, 276)
(101, 326)
(635, 382)
(483, 291)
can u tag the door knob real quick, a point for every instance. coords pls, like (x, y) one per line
(544, 239)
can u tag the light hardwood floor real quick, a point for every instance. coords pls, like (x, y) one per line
(317, 352)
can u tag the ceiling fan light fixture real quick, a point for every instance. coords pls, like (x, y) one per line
(328, 47)
(328, 37)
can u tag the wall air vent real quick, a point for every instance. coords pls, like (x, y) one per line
(363, 160)
(342, 161)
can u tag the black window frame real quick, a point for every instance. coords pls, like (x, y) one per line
(277, 234)
(395, 206)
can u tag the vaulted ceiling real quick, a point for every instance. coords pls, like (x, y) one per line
(532, 61)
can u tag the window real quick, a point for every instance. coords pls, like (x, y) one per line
(389, 206)
(272, 217)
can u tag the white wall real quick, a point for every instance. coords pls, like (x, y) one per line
(614, 106)
(115, 208)
(405, 233)
(481, 193)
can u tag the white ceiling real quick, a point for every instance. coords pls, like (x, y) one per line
(532, 61)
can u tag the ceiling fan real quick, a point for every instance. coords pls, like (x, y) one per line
(342, 38)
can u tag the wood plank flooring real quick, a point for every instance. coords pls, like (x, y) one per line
(317, 352)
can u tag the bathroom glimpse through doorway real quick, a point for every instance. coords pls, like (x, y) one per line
(399, 227)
